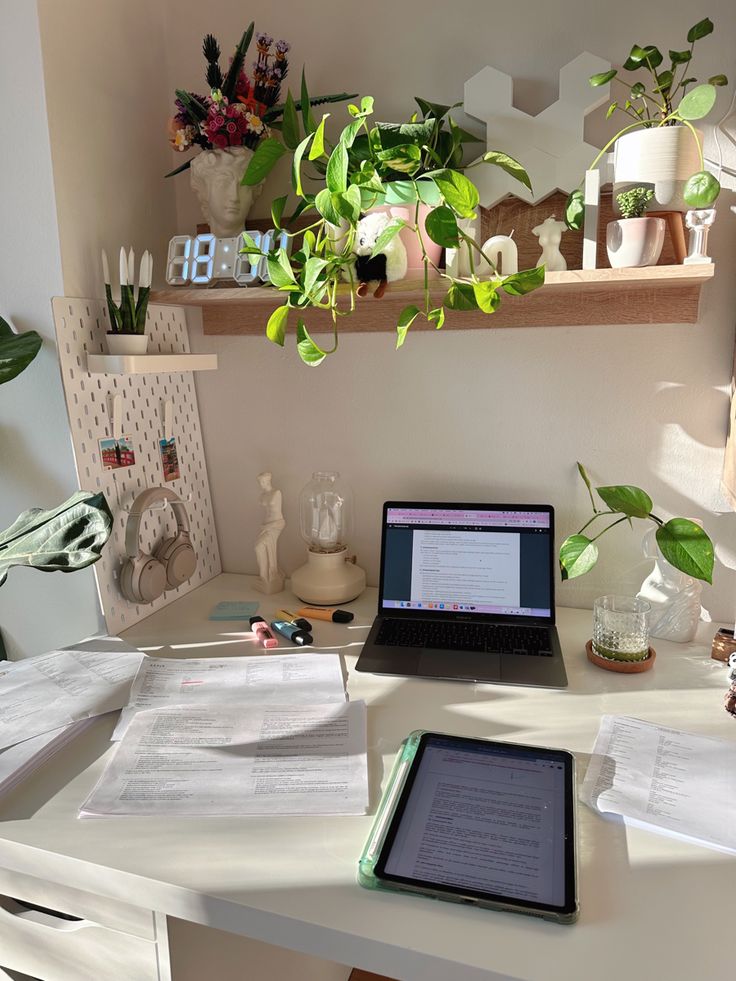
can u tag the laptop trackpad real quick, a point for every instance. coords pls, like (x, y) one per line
(459, 665)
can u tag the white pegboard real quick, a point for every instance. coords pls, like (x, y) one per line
(81, 326)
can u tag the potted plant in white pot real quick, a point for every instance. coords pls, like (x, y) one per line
(127, 334)
(660, 149)
(634, 239)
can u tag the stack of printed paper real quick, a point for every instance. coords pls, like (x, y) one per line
(672, 782)
(243, 735)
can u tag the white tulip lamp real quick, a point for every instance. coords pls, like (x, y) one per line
(330, 575)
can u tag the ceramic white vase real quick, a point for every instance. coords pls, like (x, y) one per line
(662, 158)
(634, 241)
(215, 177)
(673, 596)
(122, 344)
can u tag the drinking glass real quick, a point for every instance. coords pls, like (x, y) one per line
(621, 628)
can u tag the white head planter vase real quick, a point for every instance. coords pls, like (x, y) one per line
(215, 179)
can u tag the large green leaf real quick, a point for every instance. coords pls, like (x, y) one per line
(500, 159)
(290, 124)
(521, 283)
(687, 547)
(460, 296)
(276, 326)
(349, 203)
(277, 210)
(16, 351)
(578, 555)
(458, 191)
(698, 102)
(486, 296)
(310, 353)
(65, 539)
(435, 109)
(296, 164)
(313, 269)
(266, 156)
(575, 210)
(406, 318)
(317, 148)
(387, 235)
(701, 190)
(337, 170)
(406, 158)
(279, 270)
(309, 123)
(326, 203)
(602, 77)
(625, 499)
(647, 57)
(441, 225)
(680, 57)
(702, 29)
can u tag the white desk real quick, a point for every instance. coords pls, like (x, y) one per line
(650, 907)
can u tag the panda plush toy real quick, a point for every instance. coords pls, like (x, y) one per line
(387, 266)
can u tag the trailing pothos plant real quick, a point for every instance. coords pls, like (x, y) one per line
(661, 97)
(70, 536)
(413, 163)
(683, 543)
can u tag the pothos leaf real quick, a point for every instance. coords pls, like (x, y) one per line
(310, 353)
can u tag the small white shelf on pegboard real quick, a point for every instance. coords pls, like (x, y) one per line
(146, 364)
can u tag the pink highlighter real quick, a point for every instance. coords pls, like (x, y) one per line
(263, 634)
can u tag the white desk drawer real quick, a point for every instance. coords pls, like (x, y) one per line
(55, 949)
(63, 899)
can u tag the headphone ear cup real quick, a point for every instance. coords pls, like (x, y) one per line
(142, 579)
(178, 559)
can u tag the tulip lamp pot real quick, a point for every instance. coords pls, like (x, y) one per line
(661, 158)
(122, 344)
(634, 241)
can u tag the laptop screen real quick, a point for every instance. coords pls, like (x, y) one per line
(470, 560)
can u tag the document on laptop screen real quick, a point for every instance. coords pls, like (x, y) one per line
(470, 566)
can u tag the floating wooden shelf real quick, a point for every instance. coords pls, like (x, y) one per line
(144, 364)
(651, 295)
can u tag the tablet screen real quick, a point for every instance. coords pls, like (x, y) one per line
(488, 820)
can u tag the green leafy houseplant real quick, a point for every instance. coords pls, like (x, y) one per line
(683, 543)
(72, 535)
(633, 203)
(663, 98)
(414, 163)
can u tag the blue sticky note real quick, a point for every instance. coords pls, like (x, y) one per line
(233, 611)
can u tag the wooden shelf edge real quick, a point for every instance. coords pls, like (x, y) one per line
(581, 297)
(140, 364)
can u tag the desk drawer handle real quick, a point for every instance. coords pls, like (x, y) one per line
(11, 911)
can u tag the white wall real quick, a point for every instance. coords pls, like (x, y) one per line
(37, 611)
(106, 88)
(492, 416)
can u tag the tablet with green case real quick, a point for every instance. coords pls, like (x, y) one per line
(478, 821)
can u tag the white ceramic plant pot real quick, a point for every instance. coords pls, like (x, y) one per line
(215, 177)
(122, 344)
(634, 241)
(662, 159)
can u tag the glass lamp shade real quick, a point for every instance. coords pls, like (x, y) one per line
(326, 512)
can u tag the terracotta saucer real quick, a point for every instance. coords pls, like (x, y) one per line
(623, 667)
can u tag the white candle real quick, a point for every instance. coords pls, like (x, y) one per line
(105, 268)
(502, 251)
(123, 267)
(131, 267)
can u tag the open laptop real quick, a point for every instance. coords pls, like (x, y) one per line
(467, 593)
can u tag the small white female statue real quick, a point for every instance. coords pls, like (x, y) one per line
(549, 234)
(674, 597)
(215, 178)
(271, 578)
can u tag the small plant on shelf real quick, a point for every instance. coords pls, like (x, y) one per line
(683, 543)
(416, 164)
(129, 316)
(661, 97)
(633, 203)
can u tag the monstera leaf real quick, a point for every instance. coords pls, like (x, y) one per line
(16, 351)
(63, 540)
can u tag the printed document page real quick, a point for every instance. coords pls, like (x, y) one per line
(667, 781)
(221, 760)
(55, 689)
(19, 761)
(289, 679)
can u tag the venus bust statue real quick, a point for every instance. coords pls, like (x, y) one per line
(270, 577)
(215, 179)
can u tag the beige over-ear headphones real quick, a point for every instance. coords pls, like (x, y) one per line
(144, 577)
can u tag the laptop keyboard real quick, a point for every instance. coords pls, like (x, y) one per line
(486, 637)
